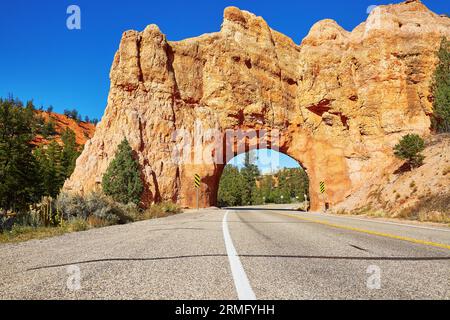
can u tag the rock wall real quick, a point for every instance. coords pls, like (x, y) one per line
(340, 100)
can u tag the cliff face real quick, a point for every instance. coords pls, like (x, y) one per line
(422, 194)
(340, 100)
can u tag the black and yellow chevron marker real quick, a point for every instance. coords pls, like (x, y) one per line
(197, 181)
(322, 187)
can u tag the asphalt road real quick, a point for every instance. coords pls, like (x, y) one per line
(249, 253)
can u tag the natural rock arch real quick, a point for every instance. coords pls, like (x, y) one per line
(313, 155)
(340, 100)
(300, 148)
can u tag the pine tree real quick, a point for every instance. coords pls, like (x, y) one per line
(53, 173)
(249, 172)
(266, 189)
(122, 179)
(48, 129)
(230, 187)
(284, 190)
(19, 176)
(441, 90)
(409, 148)
(70, 151)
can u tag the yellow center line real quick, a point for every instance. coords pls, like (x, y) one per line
(374, 233)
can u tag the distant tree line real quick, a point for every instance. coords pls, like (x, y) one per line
(70, 113)
(286, 186)
(246, 186)
(75, 115)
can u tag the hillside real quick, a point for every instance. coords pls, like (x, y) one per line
(83, 130)
(421, 194)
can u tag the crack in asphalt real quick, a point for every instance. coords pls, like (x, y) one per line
(245, 256)
(359, 248)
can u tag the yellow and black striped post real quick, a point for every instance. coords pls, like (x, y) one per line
(322, 192)
(197, 182)
(322, 187)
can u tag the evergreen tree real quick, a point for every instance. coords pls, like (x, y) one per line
(53, 174)
(249, 173)
(441, 90)
(70, 151)
(409, 148)
(230, 187)
(72, 114)
(266, 189)
(122, 179)
(295, 182)
(19, 177)
(48, 129)
(284, 190)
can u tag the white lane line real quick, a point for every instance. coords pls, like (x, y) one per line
(241, 283)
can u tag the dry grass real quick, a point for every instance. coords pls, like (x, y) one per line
(160, 210)
(25, 233)
(370, 212)
(20, 234)
(342, 212)
(434, 208)
(96, 222)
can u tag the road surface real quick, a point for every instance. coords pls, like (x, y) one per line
(269, 252)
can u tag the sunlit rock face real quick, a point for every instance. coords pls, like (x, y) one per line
(340, 100)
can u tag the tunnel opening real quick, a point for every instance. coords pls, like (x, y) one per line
(208, 156)
(262, 177)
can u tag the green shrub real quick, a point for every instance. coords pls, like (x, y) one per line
(71, 206)
(409, 148)
(76, 225)
(94, 204)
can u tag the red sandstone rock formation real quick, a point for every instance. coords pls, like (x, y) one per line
(83, 130)
(340, 100)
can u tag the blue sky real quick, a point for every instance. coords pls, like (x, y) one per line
(266, 160)
(41, 59)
